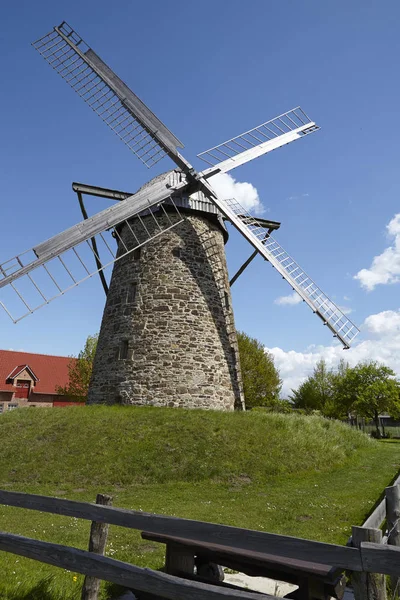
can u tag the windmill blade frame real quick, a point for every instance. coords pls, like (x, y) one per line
(77, 266)
(283, 129)
(109, 97)
(331, 315)
(54, 250)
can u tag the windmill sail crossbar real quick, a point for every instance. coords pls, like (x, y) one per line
(45, 280)
(107, 95)
(142, 200)
(331, 314)
(251, 144)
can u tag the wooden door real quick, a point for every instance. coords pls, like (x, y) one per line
(22, 389)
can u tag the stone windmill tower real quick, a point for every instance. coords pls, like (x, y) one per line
(167, 336)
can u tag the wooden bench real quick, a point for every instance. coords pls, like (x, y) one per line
(315, 581)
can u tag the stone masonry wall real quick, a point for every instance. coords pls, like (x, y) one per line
(167, 336)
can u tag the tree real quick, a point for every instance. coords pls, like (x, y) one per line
(333, 406)
(80, 371)
(369, 389)
(261, 381)
(306, 396)
(317, 391)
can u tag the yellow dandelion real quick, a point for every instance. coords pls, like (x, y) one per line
(74, 578)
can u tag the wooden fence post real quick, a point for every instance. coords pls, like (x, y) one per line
(367, 586)
(97, 544)
(393, 527)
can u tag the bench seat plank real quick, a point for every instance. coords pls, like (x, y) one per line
(256, 561)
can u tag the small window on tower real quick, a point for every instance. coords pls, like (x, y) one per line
(137, 253)
(123, 350)
(131, 293)
(226, 300)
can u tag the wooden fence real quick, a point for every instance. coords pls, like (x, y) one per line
(378, 516)
(387, 512)
(387, 427)
(367, 558)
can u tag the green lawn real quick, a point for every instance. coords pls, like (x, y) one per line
(287, 474)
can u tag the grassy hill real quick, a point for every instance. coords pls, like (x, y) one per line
(124, 445)
(290, 474)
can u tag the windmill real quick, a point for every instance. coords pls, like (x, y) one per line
(167, 335)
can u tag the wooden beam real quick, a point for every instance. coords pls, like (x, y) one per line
(380, 558)
(144, 198)
(267, 223)
(93, 190)
(138, 108)
(154, 193)
(235, 537)
(247, 155)
(97, 544)
(392, 494)
(121, 573)
(94, 247)
(376, 518)
(252, 256)
(178, 560)
(371, 585)
(243, 267)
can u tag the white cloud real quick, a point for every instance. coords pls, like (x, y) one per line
(288, 300)
(245, 193)
(386, 323)
(381, 342)
(298, 197)
(385, 267)
(346, 310)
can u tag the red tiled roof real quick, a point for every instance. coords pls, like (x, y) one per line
(52, 371)
(19, 369)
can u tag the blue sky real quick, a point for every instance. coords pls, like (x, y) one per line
(211, 70)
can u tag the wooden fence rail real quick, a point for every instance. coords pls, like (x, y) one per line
(377, 517)
(235, 537)
(369, 586)
(125, 574)
(367, 557)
